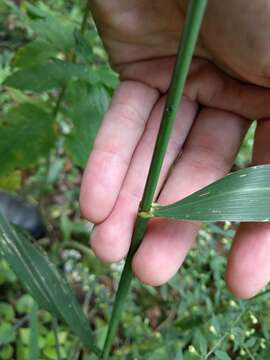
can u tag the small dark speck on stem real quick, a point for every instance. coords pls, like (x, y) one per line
(168, 109)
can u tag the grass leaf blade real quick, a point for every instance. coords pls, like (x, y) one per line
(43, 281)
(240, 196)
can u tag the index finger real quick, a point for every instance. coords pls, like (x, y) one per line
(116, 141)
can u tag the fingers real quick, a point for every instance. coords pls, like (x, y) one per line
(209, 153)
(207, 84)
(111, 239)
(212, 87)
(248, 268)
(261, 150)
(116, 141)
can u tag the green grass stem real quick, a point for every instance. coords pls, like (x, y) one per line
(184, 56)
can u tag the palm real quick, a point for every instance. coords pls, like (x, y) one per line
(135, 31)
(142, 41)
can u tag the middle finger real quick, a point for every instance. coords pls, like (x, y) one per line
(110, 240)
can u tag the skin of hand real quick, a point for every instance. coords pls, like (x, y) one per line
(228, 85)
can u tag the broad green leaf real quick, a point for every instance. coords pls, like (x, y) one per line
(222, 355)
(88, 47)
(240, 196)
(107, 77)
(48, 76)
(199, 341)
(7, 276)
(57, 33)
(35, 12)
(6, 352)
(43, 281)
(99, 98)
(188, 323)
(87, 105)
(83, 47)
(25, 304)
(192, 356)
(7, 333)
(50, 26)
(33, 54)
(6, 312)
(26, 135)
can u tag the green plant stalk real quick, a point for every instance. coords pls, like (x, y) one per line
(184, 56)
(56, 337)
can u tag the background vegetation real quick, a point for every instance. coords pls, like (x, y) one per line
(55, 85)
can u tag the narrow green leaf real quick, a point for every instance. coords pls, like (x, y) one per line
(240, 196)
(43, 281)
(26, 135)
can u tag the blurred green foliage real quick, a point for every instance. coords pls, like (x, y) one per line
(56, 83)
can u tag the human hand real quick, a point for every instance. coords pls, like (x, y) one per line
(215, 113)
